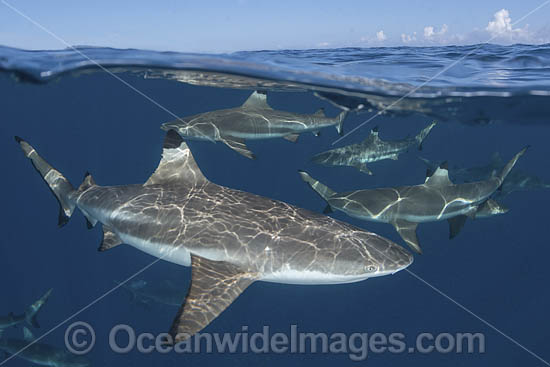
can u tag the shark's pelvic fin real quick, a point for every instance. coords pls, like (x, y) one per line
(214, 286)
(440, 177)
(239, 146)
(177, 166)
(456, 224)
(257, 100)
(407, 231)
(292, 137)
(110, 239)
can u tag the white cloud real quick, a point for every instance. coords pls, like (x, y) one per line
(430, 33)
(407, 38)
(501, 28)
(380, 36)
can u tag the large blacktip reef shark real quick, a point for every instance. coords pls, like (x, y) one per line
(255, 119)
(372, 149)
(229, 238)
(29, 316)
(40, 353)
(407, 206)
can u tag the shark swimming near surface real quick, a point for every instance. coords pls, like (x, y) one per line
(40, 353)
(406, 206)
(254, 120)
(372, 149)
(164, 292)
(229, 238)
(517, 180)
(29, 316)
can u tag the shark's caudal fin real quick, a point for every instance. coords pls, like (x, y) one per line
(506, 170)
(324, 191)
(340, 126)
(32, 311)
(58, 184)
(422, 135)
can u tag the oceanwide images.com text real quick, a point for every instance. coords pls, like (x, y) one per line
(80, 339)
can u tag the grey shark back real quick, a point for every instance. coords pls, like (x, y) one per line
(230, 238)
(255, 119)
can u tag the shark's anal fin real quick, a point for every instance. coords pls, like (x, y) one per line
(177, 166)
(407, 231)
(239, 146)
(456, 224)
(257, 100)
(292, 137)
(214, 286)
(110, 239)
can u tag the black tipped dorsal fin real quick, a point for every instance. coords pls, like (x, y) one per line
(257, 100)
(177, 166)
(440, 177)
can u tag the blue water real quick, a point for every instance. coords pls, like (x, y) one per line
(82, 118)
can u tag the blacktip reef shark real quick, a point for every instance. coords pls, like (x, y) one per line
(29, 316)
(163, 292)
(255, 119)
(40, 353)
(407, 206)
(517, 180)
(229, 238)
(372, 149)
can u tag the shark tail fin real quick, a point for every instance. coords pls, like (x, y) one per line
(506, 170)
(58, 184)
(340, 125)
(422, 135)
(324, 191)
(32, 311)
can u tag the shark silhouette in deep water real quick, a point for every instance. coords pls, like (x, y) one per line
(40, 353)
(517, 180)
(407, 206)
(229, 238)
(372, 149)
(164, 292)
(29, 316)
(255, 119)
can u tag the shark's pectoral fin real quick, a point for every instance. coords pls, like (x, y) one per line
(214, 286)
(363, 168)
(292, 137)
(407, 231)
(456, 224)
(110, 239)
(239, 146)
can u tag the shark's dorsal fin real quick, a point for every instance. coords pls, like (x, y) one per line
(28, 335)
(177, 166)
(256, 100)
(320, 112)
(440, 177)
(214, 286)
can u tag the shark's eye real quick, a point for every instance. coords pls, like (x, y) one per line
(371, 268)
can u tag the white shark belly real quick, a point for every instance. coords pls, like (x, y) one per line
(306, 277)
(175, 254)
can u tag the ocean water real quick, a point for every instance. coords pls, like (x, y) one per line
(100, 110)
